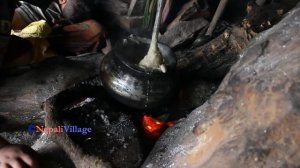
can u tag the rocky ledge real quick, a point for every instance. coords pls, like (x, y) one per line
(253, 120)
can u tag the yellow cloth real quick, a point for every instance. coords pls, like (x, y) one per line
(38, 29)
(36, 33)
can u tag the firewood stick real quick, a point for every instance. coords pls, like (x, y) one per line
(157, 23)
(216, 17)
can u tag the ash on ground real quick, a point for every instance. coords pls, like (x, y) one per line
(115, 137)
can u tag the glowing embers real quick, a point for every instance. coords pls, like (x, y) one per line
(153, 127)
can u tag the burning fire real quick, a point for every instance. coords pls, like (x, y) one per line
(154, 128)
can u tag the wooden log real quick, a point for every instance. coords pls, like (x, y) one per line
(215, 57)
(188, 23)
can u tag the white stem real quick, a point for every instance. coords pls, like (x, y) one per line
(156, 24)
(153, 59)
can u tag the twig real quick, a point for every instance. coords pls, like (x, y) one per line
(217, 15)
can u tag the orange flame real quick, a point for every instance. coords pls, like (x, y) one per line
(154, 128)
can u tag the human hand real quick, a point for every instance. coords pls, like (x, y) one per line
(17, 156)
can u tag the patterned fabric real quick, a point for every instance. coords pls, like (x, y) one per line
(70, 39)
(66, 38)
(87, 36)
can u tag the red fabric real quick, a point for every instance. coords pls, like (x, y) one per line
(87, 36)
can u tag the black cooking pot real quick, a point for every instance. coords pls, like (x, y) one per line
(135, 86)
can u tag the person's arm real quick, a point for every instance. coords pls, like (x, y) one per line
(16, 156)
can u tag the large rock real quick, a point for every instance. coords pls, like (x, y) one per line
(253, 120)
